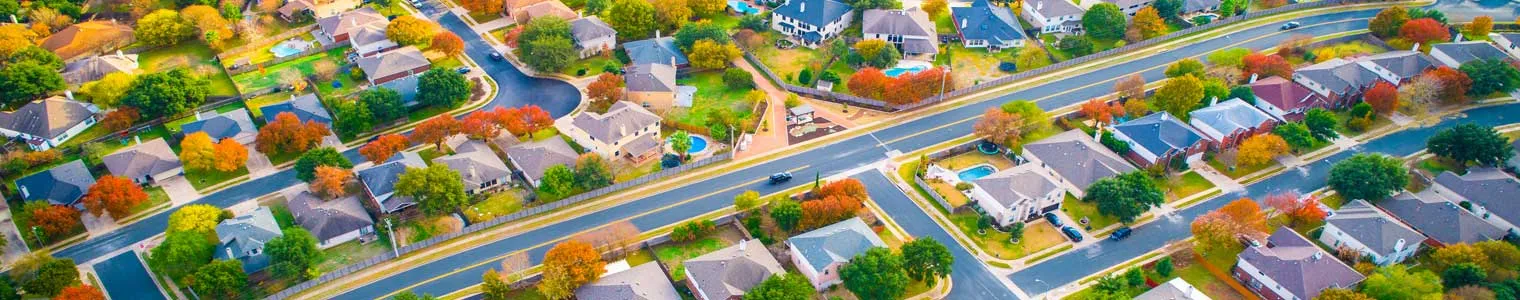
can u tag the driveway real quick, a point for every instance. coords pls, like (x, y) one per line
(180, 191)
(259, 165)
(126, 277)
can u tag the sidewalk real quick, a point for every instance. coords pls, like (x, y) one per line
(772, 134)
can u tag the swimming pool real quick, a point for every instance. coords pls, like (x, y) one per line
(974, 173)
(698, 144)
(743, 7)
(283, 49)
(899, 71)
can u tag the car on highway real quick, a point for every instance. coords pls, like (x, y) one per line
(1289, 25)
(1120, 234)
(780, 177)
(1053, 219)
(1072, 233)
(495, 56)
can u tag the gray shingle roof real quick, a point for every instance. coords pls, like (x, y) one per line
(400, 60)
(305, 107)
(1175, 289)
(1339, 75)
(243, 238)
(731, 271)
(95, 67)
(655, 51)
(1056, 8)
(904, 22)
(1078, 158)
(1464, 52)
(1404, 63)
(644, 282)
(47, 118)
(1016, 184)
(1160, 133)
(622, 119)
(1440, 219)
(331, 218)
(651, 77)
(1199, 5)
(814, 12)
(982, 21)
(351, 20)
(1370, 226)
(224, 125)
(1496, 191)
(381, 179)
(145, 159)
(1222, 119)
(533, 158)
(475, 163)
(835, 243)
(369, 34)
(1298, 265)
(60, 185)
(590, 28)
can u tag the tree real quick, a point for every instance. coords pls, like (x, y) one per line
(1125, 196)
(999, 127)
(788, 286)
(680, 142)
(1491, 76)
(211, 27)
(634, 19)
(437, 188)
(1030, 58)
(1260, 149)
(1471, 292)
(747, 200)
(1186, 66)
(162, 28)
(1471, 142)
(25, 81)
(1383, 97)
(443, 88)
(383, 147)
(181, 254)
(107, 91)
(55, 221)
(674, 12)
(195, 218)
(221, 279)
(1423, 31)
(384, 103)
(787, 213)
(1132, 86)
(1267, 65)
(525, 120)
(120, 119)
(1077, 45)
(1179, 95)
(1296, 135)
(492, 287)
(1219, 229)
(876, 274)
(1452, 255)
(926, 260)
(1397, 282)
(547, 53)
(1035, 119)
(166, 94)
(1104, 21)
(869, 82)
(692, 32)
(1387, 22)
(1341, 294)
(1321, 123)
(288, 135)
(707, 54)
(449, 43)
(330, 181)
(829, 210)
(482, 6)
(1149, 21)
(409, 30)
(294, 254)
(435, 130)
(1298, 211)
(1368, 176)
(1164, 267)
(606, 90)
(197, 152)
(567, 266)
(558, 182)
(230, 155)
(480, 125)
(80, 292)
(848, 187)
(592, 171)
(14, 38)
(1454, 84)
(876, 53)
(39, 274)
(306, 165)
(1463, 274)
(1480, 26)
(934, 8)
(114, 195)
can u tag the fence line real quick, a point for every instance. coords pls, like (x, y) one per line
(473, 228)
(253, 45)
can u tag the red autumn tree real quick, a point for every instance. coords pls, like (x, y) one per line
(55, 220)
(1424, 30)
(449, 43)
(1454, 84)
(607, 89)
(80, 292)
(120, 119)
(1219, 229)
(480, 125)
(831, 209)
(1383, 97)
(525, 120)
(910, 88)
(869, 83)
(1267, 65)
(288, 135)
(114, 195)
(1097, 110)
(382, 148)
(848, 187)
(435, 130)
(1298, 211)
(511, 36)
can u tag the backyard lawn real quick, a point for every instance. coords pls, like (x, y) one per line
(193, 55)
(276, 75)
(1333, 201)
(712, 95)
(626, 171)
(1239, 170)
(1078, 209)
(262, 54)
(114, 144)
(947, 191)
(256, 103)
(1184, 185)
(591, 66)
(1037, 236)
(499, 204)
(674, 253)
(972, 66)
(1437, 165)
(203, 179)
(348, 253)
(974, 158)
(788, 63)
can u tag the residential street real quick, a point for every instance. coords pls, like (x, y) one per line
(970, 279)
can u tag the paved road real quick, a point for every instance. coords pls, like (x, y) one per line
(515, 88)
(969, 277)
(1089, 260)
(125, 277)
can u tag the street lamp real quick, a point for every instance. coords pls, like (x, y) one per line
(37, 234)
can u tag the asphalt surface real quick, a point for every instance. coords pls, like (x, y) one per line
(970, 279)
(126, 277)
(514, 88)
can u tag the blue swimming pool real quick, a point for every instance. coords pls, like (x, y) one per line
(282, 50)
(974, 173)
(698, 144)
(743, 7)
(899, 71)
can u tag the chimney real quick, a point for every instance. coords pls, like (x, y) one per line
(672, 61)
(229, 253)
(963, 23)
(1398, 246)
(1039, 5)
(1098, 132)
(68, 94)
(657, 33)
(802, 7)
(119, 54)
(1415, 48)
(137, 139)
(1213, 102)
(743, 242)
(1253, 77)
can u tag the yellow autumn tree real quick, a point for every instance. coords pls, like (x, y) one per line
(197, 152)
(1149, 21)
(1260, 149)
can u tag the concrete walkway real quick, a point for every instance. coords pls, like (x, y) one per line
(773, 134)
(1223, 182)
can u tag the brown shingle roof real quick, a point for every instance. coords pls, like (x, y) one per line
(85, 37)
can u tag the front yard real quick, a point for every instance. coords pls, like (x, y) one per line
(203, 179)
(673, 253)
(1182, 186)
(1237, 171)
(591, 66)
(1037, 236)
(1078, 209)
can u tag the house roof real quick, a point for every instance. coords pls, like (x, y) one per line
(982, 21)
(331, 218)
(349, 21)
(95, 67)
(60, 185)
(240, 236)
(650, 77)
(1404, 63)
(642, 144)
(1125, 4)
(1339, 75)
(476, 163)
(622, 119)
(1298, 265)
(1370, 226)
(369, 34)
(1017, 184)
(1492, 188)
(224, 125)
(292, 7)
(1199, 5)
(644, 282)
(814, 12)
(1284, 94)
(1055, 8)
(590, 28)
(1464, 52)
(400, 60)
(47, 118)
(1439, 219)
(731, 271)
(1220, 120)
(512, 6)
(144, 159)
(904, 22)
(533, 158)
(381, 179)
(305, 107)
(1078, 158)
(1159, 133)
(85, 37)
(1175, 289)
(835, 243)
(655, 51)
(547, 8)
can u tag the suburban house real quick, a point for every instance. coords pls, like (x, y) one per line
(651, 85)
(1397, 67)
(243, 238)
(379, 181)
(87, 38)
(983, 25)
(61, 185)
(47, 123)
(148, 162)
(1017, 194)
(1227, 123)
(1339, 81)
(306, 108)
(395, 64)
(626, 131)
(1077, 160)
(1506, 41)
(1194, 7)
(294, 9)
(819, 253)
(1490, 191)
(1285, 100)
(234, 124)
(1054, 16)
(658, 50)
(1159, 138)
(592, 36)
(369, 41)
(332, 222)
(1455, 54)
(511, 7)
(812, 21)
(96, 67)
(343, 27)
(1175, 289)
(1441, 220)
(1288, 266)
(909, 29)
(550, 8)
(535, 157)
(644, 282)
(477, 165)
(727, 273)
(1128, 7)
(1365, 228)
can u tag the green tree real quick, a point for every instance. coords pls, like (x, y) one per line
(1125, 196)
(876, 53)
(1164, 267)
(1168, 9)
(633, 19)
(107, 91)
(1228, 8)
(1463, 274)
(383, 103)
(1104, 21)
(181, 254)
(926, 260)
(877, 274)
(1076, 45)
(410, 295)
(1242, 92)
(1033, 117)
(1397, 282)
(437, 188)
(1030, 58)
(351, 118)
(26, 81)
(492, 287)
(1185, 66)
(163, 28)
(1368, 176)
(1387, 22)
(558, 182)
(39, 274)
(1214, 90)
(788, 286)
(167, 93)
(592, 172)
(40, 56)
(736, 79)
(691, 32)
(1341, 294)
(548, 54)
(1321, 123)
(1470, 142)
(1296, 134)
(1179, 95)
(1491, 76)
(680, 142)
(787, 213)
(442, 88)
(306, 165)
(221, 279)
(294, 254)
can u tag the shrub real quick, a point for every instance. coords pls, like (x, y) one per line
(670, 161)
(735, 79)
(963, 186)
(805, 77)
(829, 76)
(1007, 67)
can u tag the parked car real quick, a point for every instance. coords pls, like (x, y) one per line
(780, 177)
(1053, 219)
(495, 56)
(1120, 234)
(1072, 233)
(1289, 25)
(463, 70)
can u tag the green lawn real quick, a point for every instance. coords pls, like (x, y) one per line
(526, 293)
(788, 63)
(1333, 201)
(425, 112)
(1238, 170)
(348, 253)
(203, 179)
(1078, 209)
(972, 66)
(952, 196)
(675, 253)
(639, 257)
(712, 95)
(256, 103)
(196, 57)
(723, 20)
(156, 197)
(395, 9)
(262, 54)
(591, 66)
(629, 172)
(282, 157)
(429, 153)
(1036, 237)
(271, 76)
(498, 204)
(1346, 131)
(1437, 165)
(1185, 185)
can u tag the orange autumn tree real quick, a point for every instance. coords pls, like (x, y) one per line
(1454, 84)
(480, 125)
(120, 119)
(1424, 30)
(999, 127)
(80, 292)
(524, 120)
(113, 195)
(448, 43)
(288, 135)
(435, 130)
(382, 148)
(1265, 65)
(1218, 229)
(567, 266)
(607, 88)
(1383, 97)
(230, 155)
(1097, 110)
(482, 6)
(55, 220)
(832, 209)
(868, 82)
(330, 181)
(848, 187)
(1298, 211)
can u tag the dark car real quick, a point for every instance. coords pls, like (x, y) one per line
(1071, 232)
(1120, 234)
(495, 56)
(780, 177)
(1053, 219)
(463, 70)
(1289, 25)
